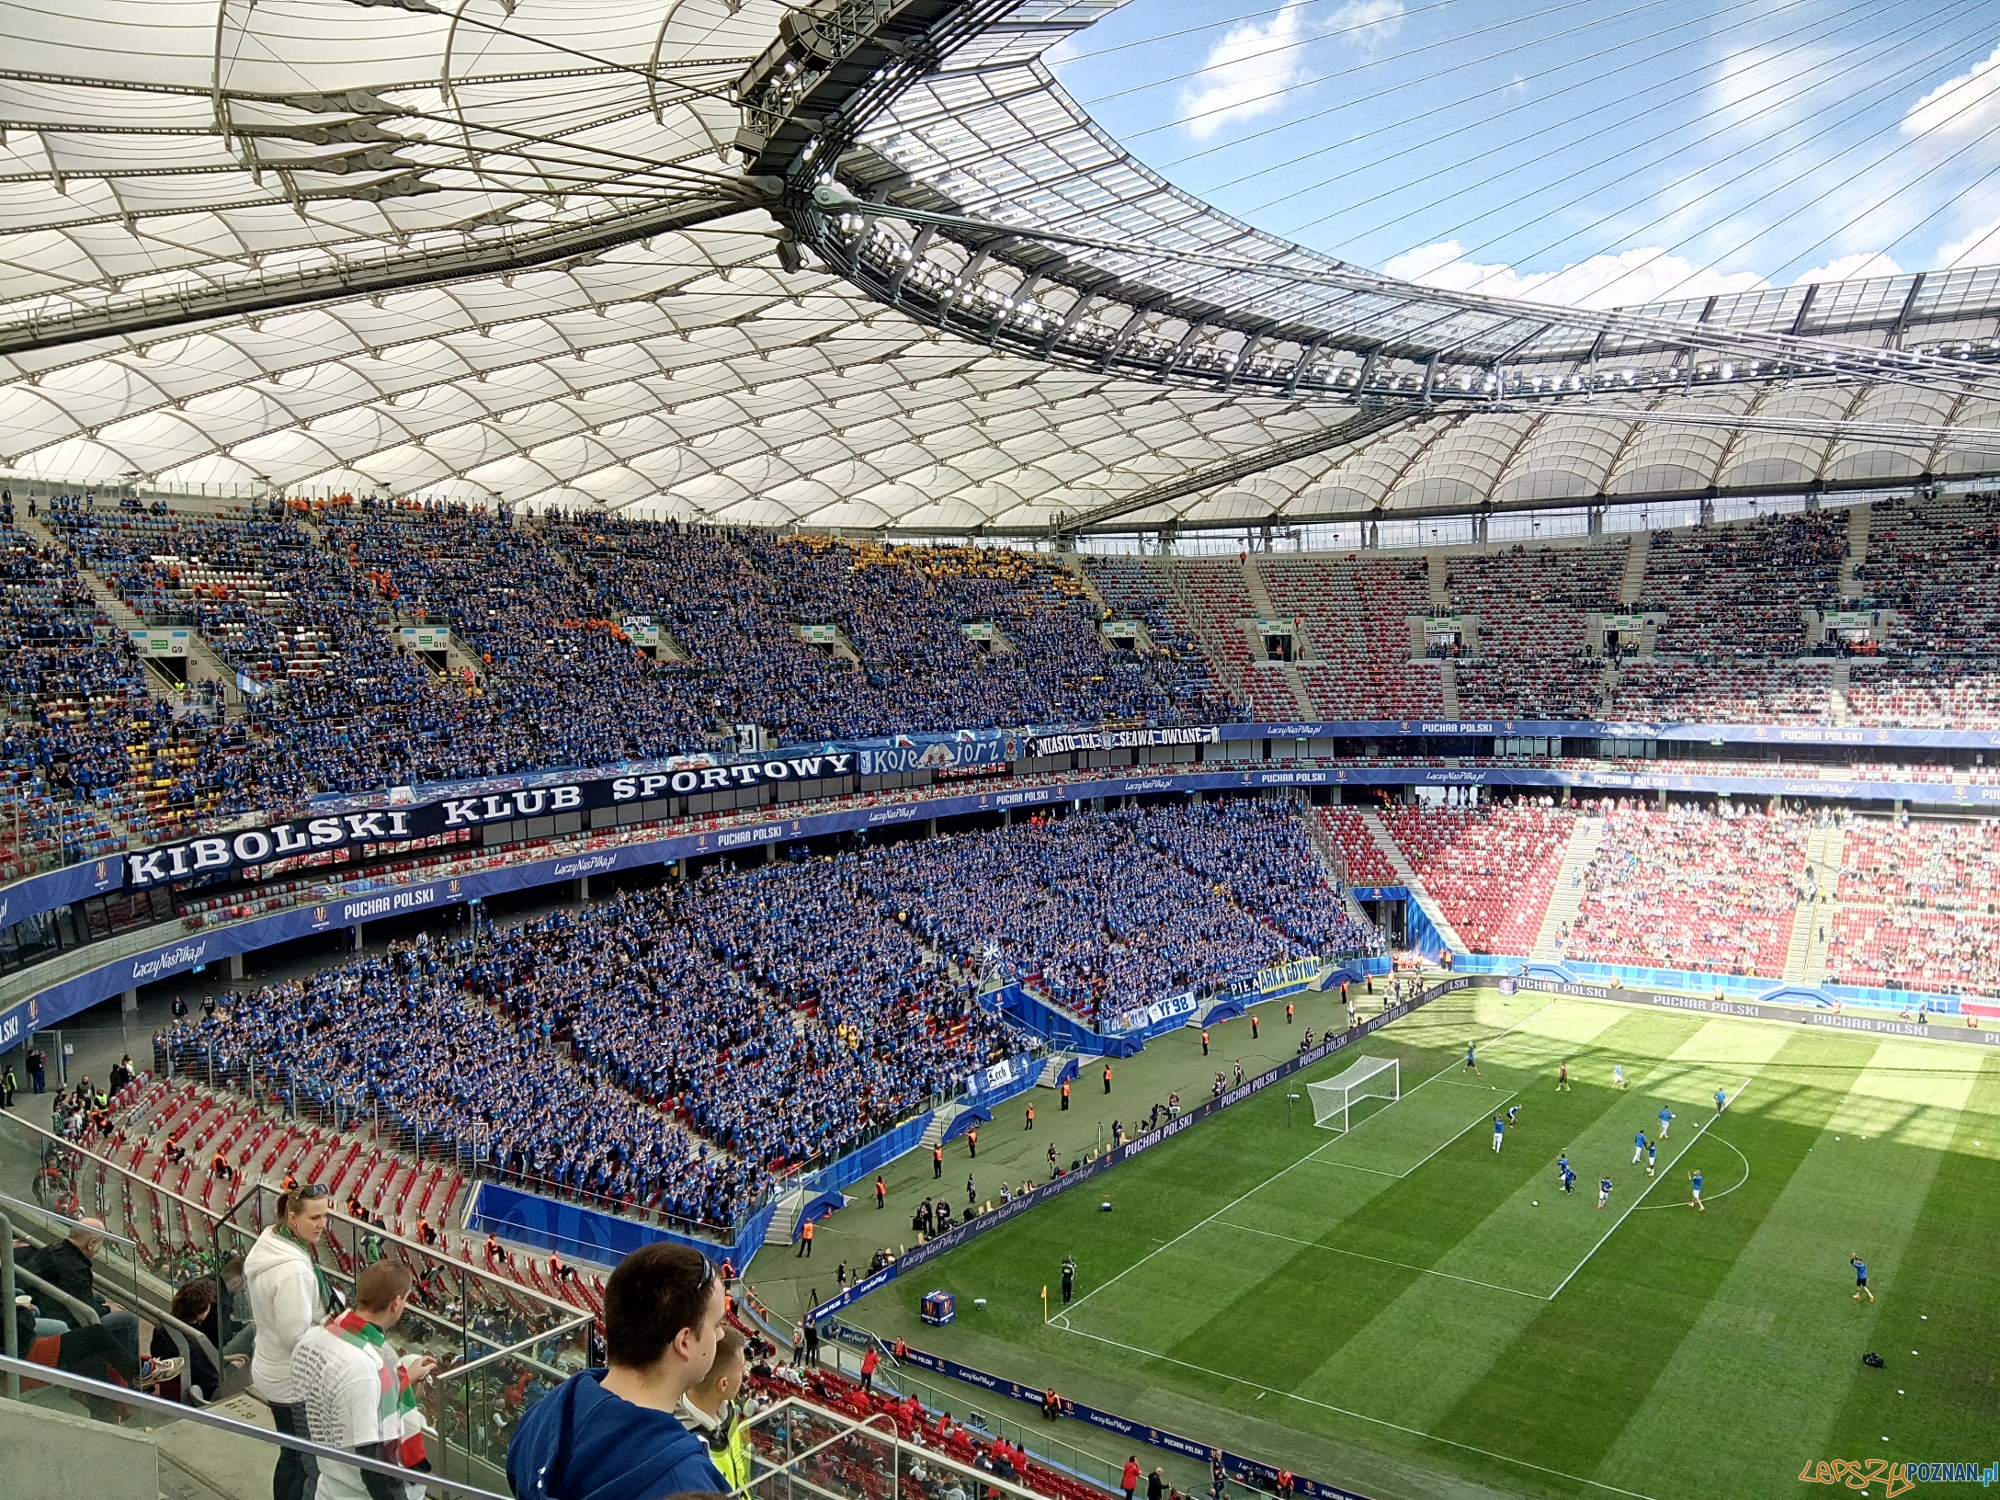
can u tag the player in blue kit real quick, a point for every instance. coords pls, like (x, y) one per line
(1499, 1133)
(1860, 1278)
(1666, 1119)
(1565, 1173)
(1638, 1147)
(1695, 1178)
(1472, 1060)
(1652, 1156)
(1603, 1191)
(1720, 1100)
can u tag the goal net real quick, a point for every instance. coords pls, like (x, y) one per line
(1370, 1078)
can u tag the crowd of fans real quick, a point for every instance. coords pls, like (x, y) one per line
(673, 1050)
(306, 612)
(1528, 658)
(1735, 592)
(1932, 563)
(302, 606)
(1918, 905)
(710, 1035)
(1133, 590)
(1686, 887)
(1102, 911)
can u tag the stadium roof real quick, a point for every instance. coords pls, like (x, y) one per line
(540, 251)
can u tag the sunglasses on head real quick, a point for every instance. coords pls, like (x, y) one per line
(312, 1190)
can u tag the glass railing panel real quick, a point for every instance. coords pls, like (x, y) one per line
(501, 1343)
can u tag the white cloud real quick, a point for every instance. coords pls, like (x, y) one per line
(1367, 24)
(1246, 72)
(1979, 248)
(1249, 69)
(1850, 268)
(1959, 106)
(1621, 280)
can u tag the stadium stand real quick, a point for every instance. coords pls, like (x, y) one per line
(1103, 911)
(669, 1022)
(1528, 658)
(1736, 591)
(1492, 868)
(666, 1024)
(305, 604)
(1917, 905)
(1360, 856)
(1132, 588)
(1797, 692)
(1685, 887)
(1931, 561)
(1355, 612)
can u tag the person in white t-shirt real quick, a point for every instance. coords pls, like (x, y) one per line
(360, 1395)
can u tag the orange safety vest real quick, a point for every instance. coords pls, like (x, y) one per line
(807, 1232)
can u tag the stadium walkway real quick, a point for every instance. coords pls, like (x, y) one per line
(1011, 1153)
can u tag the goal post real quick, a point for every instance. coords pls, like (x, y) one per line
(1370, 1078)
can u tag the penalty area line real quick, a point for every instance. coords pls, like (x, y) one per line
(1456, 1136)
(1342, 1411)
(1282, 1171)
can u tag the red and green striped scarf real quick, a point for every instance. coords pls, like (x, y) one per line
(399, 1423)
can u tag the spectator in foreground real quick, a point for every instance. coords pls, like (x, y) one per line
(71, 1267)
(611, 1434)
(287, 1296)
(710, 1409)
(87, 1351)
(359, 1395)
(197, 1305)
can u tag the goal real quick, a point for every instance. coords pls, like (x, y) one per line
(1370, 1078)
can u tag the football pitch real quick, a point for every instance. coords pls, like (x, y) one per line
(1400, 1310)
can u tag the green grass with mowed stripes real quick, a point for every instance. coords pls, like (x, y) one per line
(1398, 1309)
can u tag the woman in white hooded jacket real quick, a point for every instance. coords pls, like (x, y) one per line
(287, 1296)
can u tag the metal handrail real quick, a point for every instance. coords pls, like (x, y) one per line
(89, 1316)
(182, 1333)
(523, 1350)
(48, 1213)
(226, 1215)
(159, 1406)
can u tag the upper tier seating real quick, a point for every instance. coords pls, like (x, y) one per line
(305, 606)
(1932, 562)
(1796, 692)
(1355, 612)
(1528, 660)
(1134, 588)
(1736, 591)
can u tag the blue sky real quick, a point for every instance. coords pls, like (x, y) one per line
(1583, 151)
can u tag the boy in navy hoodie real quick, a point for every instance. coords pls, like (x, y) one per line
(611, 1434)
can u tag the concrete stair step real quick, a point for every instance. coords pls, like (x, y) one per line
(1407, 876)
(1585, 839)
